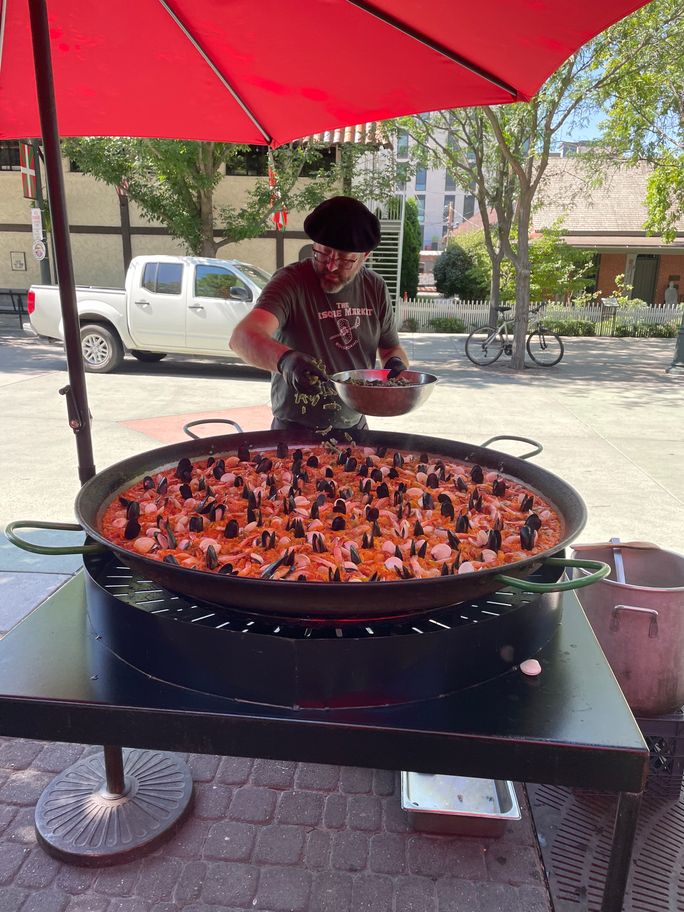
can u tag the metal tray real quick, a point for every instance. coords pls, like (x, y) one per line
(458, 804)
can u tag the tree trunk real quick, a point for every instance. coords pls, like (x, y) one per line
(205, 200)
(494, 290)
(522, 283)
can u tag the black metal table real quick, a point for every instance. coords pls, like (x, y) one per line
(569, 726)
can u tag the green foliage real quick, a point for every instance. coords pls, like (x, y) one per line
(447, 325)
(571, 327)
(646, 330)
(174, 181)
(410, 256)
(556, 269)
(622, 294)
(409, 325)
(454, 275)
(645, 110)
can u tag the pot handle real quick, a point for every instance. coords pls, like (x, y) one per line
(48, 549)
(652, 627)
(535, 443)
(186, 427)
(600, 569)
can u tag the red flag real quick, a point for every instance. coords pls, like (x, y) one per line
(27, 166)
(280, 215)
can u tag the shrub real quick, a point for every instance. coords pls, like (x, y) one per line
(447, 325)
(572, 327)
(410, 325)
(647, 330)
(663, 331)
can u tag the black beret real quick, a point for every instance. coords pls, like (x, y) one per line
(343, 223)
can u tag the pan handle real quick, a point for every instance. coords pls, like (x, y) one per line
(535, 443)
(600, 569)
(186, 427)
(48, 549)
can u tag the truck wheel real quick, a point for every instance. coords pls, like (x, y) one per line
(147, 356)
(102, 349)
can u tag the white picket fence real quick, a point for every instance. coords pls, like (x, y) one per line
(475, 313)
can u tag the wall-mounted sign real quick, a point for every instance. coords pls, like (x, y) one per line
(37, 224)
(18, 261)
(39, 250)
(27, 166)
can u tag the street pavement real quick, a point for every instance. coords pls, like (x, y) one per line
(276, 836)
(609, 417)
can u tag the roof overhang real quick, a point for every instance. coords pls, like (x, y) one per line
(621, 243)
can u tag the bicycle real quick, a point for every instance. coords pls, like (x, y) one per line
(486, 344)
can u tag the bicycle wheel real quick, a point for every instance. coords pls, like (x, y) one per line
(484, 345)
(544, 347)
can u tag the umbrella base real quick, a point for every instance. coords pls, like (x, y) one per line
(80, 821)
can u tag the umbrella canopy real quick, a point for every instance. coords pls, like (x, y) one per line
(269, 71)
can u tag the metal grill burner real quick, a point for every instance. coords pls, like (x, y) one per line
(276, 661)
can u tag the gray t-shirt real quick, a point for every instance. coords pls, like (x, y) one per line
(343, 331)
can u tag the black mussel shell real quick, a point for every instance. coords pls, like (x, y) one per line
(243, 454)
(526, 503)
(381, 451)
(462, 523)
(363, 470)
(376, 530)
(314, 512)
(453, 541)
(427, 501)
(351, 464)
(498, 487)
(372, 513)
(298, 529)
(264, 465)
(170, 559)
(163, 486)
(196, 524)
(210, 461)
(185, 491)
(527, 537)
(211, 558)
(461, 484)
(329, 472)
(422, 551)
(533, 521)
(376, 475)
(133, 510)
(238, 482)
(226, 568)
(312, 461)
(432, 480)
(424, 457)
(354, 555)
(494, 540)
(418, 529)
(447, 509)
(132, 529)
(397, 460)
(477, 474)
(148, 483)
(184, 469)
(382, 490)
(231, 529)
(339, 506)
(338, 524)
(393, 473)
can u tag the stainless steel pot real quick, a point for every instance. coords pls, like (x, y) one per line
(637, 614)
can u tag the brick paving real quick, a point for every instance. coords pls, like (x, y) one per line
(269, 836)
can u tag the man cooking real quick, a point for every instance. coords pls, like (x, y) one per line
(320, 316)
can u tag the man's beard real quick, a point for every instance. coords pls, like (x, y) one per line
(331, 283)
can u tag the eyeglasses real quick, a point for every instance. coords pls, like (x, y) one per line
(326, 258)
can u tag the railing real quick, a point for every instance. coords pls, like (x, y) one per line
(13, 301)
(606, 320)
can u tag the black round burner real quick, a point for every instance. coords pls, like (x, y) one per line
(271, 660)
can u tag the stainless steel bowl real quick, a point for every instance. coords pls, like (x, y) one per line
(383, 401)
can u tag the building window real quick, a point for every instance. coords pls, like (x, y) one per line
(421, 179)
(9, 155)
(420, 202)
(252, 163)
(449, 183)
(402, 144)
(468, 206)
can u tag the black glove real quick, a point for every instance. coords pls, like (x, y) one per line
(300, 371)
(395, 366)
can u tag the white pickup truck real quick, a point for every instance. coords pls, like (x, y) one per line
(171, 304)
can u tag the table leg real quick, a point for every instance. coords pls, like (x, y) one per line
(621, 852)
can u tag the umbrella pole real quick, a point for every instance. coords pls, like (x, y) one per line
(75, 392)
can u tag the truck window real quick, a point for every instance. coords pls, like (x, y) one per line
(215, 282)
(259, 276)
(163, 278)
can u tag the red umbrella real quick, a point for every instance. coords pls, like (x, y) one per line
(259, 71)
(268, 71)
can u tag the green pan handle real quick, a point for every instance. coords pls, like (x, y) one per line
(601, 571)
(48, 549)
(538, 448)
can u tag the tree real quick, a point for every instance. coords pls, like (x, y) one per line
(504, 151)
(410, 252)
(645, 115)
(174, 182)
(453, 273)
